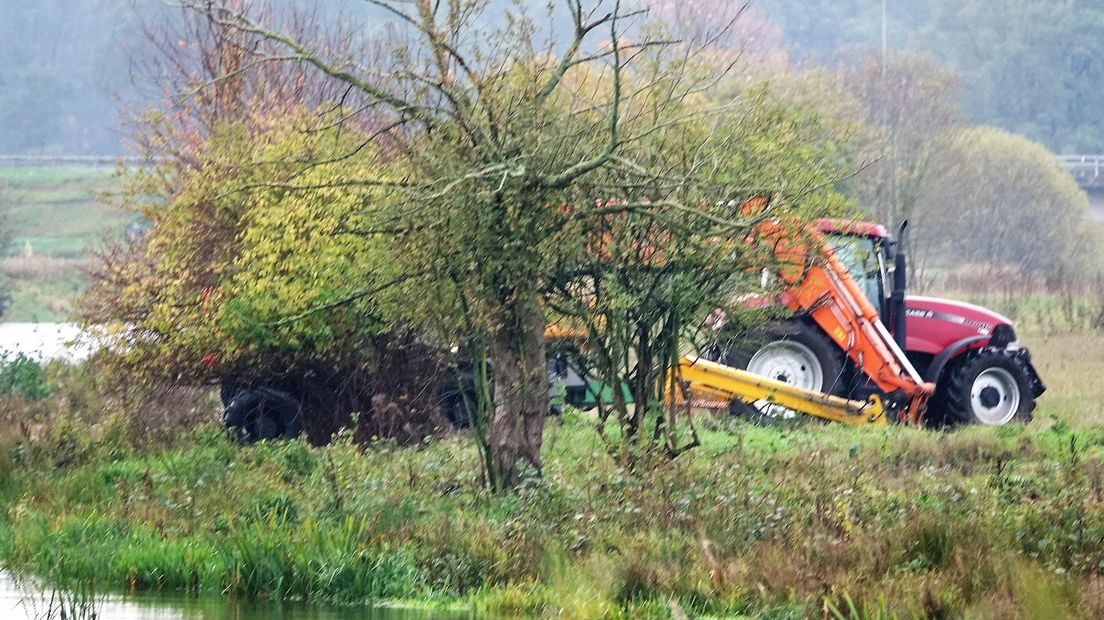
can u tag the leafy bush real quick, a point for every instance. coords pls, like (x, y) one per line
(999, 199)
(21, 375)
(258, 274)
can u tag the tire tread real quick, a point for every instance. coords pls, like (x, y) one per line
(952, 398)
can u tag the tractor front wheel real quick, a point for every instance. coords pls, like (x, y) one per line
(988, 386)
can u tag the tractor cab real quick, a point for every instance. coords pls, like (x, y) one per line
(877, 261)
(970, 352)
(868, 261)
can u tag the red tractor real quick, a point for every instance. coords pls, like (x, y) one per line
(852, 332)
(860, 335)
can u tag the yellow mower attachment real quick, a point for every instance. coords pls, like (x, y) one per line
(704, 377)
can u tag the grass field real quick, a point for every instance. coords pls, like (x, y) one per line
(773, 523)
(53, 210)
(1072, 366)
(55, 221)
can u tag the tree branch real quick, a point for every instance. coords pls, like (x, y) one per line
(301, 53)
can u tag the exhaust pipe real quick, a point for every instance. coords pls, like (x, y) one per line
(900, 287)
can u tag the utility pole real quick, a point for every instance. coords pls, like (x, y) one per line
(885, 40)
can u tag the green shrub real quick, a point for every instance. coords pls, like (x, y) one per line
(759, 523)
(21, 375)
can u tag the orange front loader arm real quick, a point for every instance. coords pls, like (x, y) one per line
(826, 292)
(823, 289)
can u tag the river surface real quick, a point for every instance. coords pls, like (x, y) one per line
(22, 599)
(44, 341)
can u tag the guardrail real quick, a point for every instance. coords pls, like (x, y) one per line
(1085, 168)
(77, 161)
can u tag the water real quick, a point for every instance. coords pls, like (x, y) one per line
(44, 341)
(21, 599)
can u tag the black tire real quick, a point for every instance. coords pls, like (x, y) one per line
(455, 402)
(816, 358)
(256, 414)
(264, 428)
(458, 394)
(986, 386)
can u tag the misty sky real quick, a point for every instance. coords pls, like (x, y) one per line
(1030, 66)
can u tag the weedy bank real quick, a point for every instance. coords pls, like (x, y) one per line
(769, 522)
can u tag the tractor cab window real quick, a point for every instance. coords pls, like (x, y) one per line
(863, 259)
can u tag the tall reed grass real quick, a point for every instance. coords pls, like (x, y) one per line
(758, 522)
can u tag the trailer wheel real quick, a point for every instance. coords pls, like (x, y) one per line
(989, 386)
(794, 352)
(256, 414)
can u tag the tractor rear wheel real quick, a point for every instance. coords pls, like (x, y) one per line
(794, 352)
(987, 386)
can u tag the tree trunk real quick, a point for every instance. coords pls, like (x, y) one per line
(521, 393)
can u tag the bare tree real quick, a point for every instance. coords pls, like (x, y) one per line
(727, 28)
(499, 149)
(496, 128)
(908, 104)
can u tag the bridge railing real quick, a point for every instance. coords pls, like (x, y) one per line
(1085, 168)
